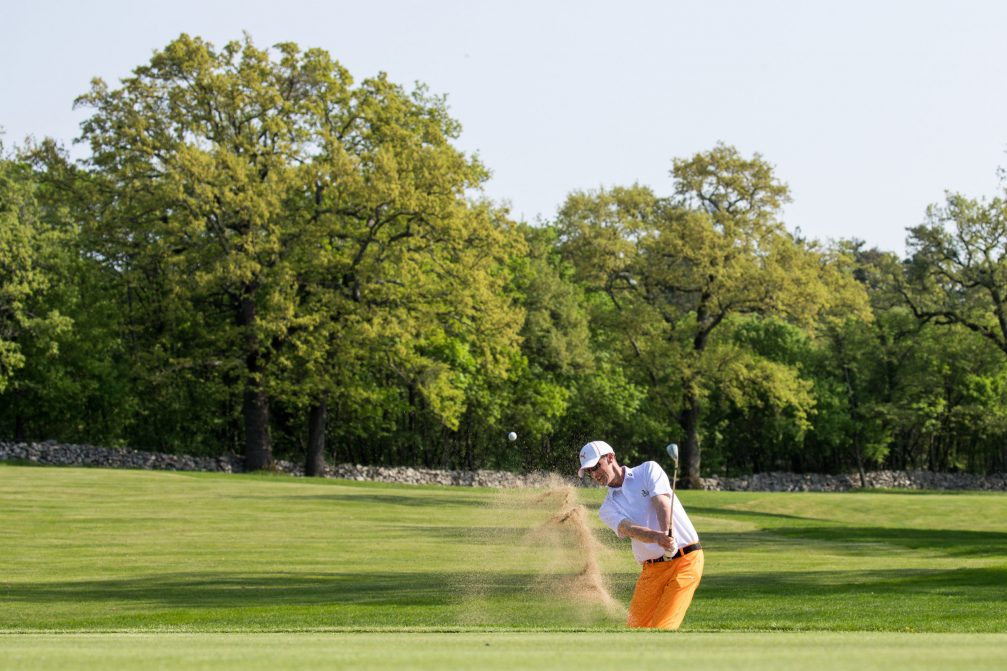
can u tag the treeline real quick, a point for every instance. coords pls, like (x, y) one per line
(261, 255)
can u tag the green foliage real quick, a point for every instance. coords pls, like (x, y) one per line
(260, 253)
(676, 269)
(957, 271)
(30, 326)
(271, 218)
(956, 278)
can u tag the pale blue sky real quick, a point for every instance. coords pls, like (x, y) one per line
(869, 110)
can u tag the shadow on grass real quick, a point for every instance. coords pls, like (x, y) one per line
(715, 542)
(472, 535)
(859, 540)
(975, 591)
(847, 540)
(223, 590)
(966, 599)
(862, 541)
(982, 584)
(748, 514)
(385, 499)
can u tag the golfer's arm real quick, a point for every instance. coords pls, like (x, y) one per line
(662, 503)
(636, 532)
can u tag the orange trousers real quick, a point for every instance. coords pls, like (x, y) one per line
(664, 591)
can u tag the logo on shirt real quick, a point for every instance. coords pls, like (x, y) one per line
(644, 492)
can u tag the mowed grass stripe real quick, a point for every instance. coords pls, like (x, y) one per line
(93, 550)
(822, 651)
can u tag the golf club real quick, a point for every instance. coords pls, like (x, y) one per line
(673, 453)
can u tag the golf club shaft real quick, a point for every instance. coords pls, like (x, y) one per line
(671, 519)
(672, 450)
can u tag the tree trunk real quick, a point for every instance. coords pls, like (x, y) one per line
(689, 418)
(255, 402)
(858, 449)
(314, 465)
(255, 408)
(690, 450)
(19, 432)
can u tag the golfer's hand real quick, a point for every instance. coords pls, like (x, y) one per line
(664, 540)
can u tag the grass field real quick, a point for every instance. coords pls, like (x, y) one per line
(110, 569)
(508, 651)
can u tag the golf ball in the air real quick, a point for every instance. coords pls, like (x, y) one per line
(512, 436)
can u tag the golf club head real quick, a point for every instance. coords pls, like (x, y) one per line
(673, 451)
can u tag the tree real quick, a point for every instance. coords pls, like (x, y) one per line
(252, 201)
(555, 354)
(430, 314)
(28, 249)
(957, 270)
(761, 408)
(675, 269)
(72, 385)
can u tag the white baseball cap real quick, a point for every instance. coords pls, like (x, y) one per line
(591, 453)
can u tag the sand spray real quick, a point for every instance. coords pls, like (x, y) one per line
(554, 558)
(569, 523)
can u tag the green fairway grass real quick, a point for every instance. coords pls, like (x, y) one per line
(103, 569)
(822, 651)
(103, 550)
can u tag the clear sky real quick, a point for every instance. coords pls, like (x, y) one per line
(869, 110)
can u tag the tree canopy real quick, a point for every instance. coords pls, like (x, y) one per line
(267, 205)
(261, 255)
(678, 270)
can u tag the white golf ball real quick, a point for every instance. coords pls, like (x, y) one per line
(512, 436)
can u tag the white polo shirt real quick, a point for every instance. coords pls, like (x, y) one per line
(632, 502)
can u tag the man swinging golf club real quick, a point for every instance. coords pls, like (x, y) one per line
(641, 504)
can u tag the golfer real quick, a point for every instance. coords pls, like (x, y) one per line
(639, 505)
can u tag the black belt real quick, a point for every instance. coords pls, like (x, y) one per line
(681, 552)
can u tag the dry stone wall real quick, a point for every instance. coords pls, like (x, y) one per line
(51, 453)
(58, 454)
(797, 482)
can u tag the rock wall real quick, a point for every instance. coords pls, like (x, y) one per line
(796, 482)
(57, 454)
